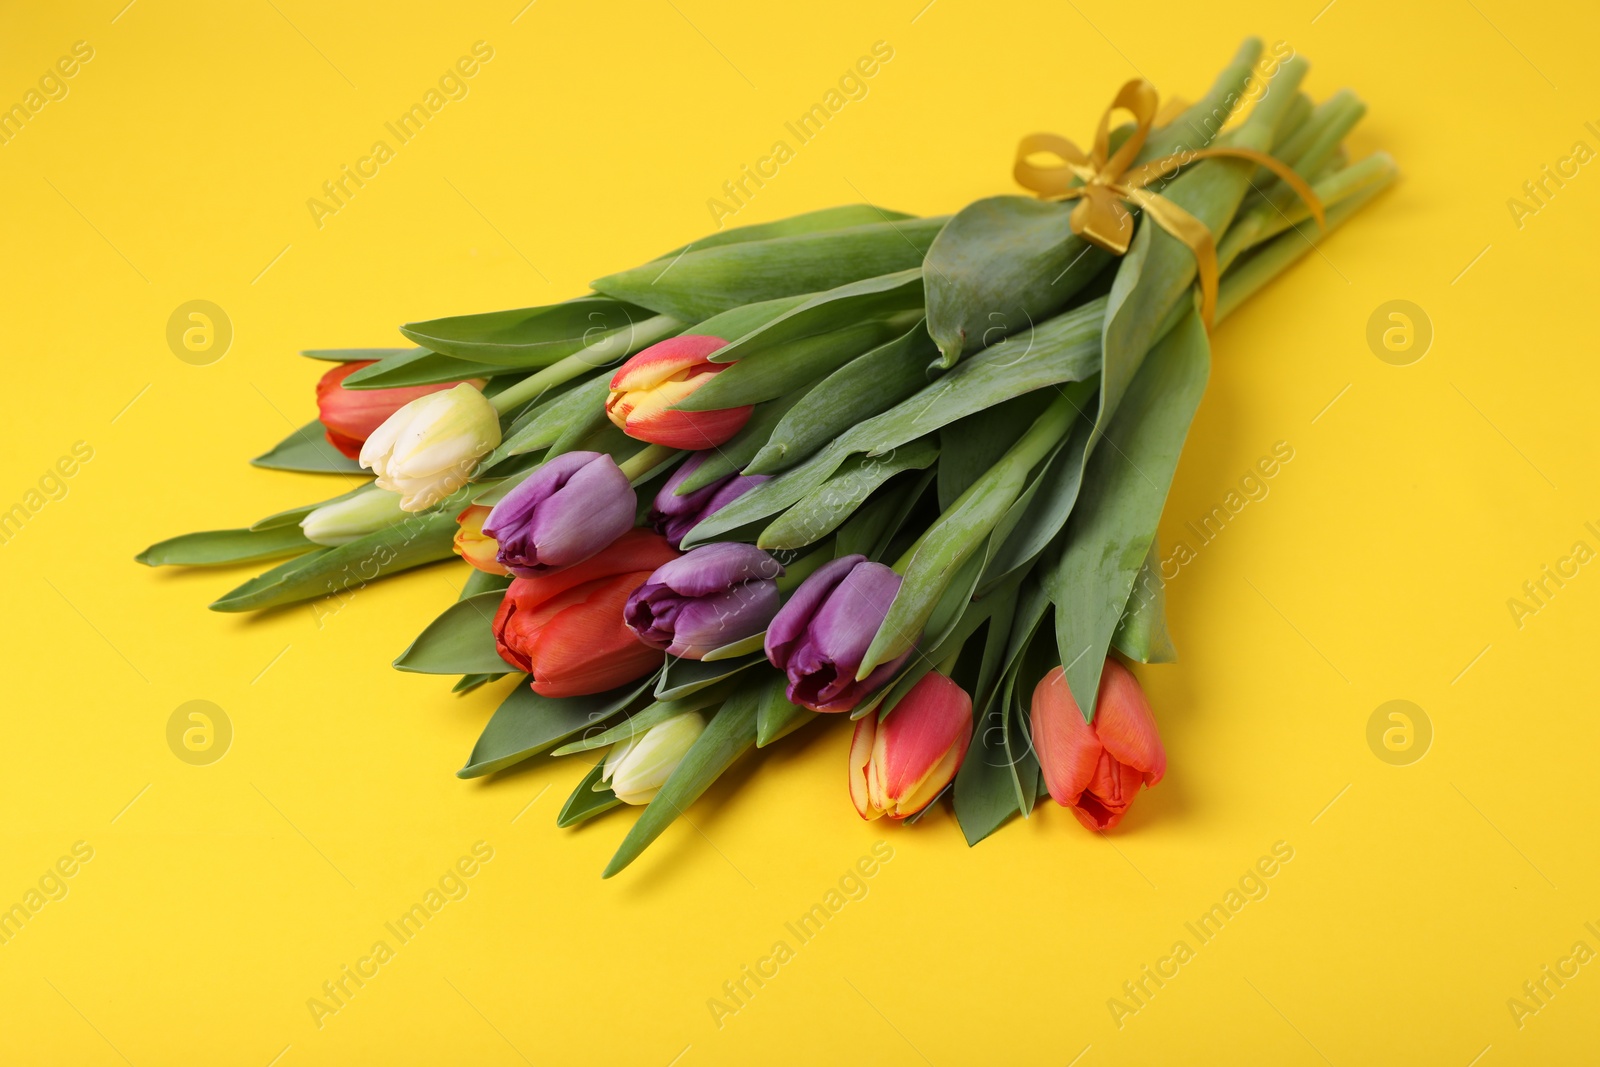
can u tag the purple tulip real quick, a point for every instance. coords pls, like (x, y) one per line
(566, 511)
(821, 635)
(709, 597)
(674, 516)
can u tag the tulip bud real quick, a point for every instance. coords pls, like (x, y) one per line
(475, 546)
(713, 596)
(675, 515)
(1096, 768)
(637, 768)
(565, 628)
(645, 388)
(349, 416)
(428, 449)
(821, 635)
(563, 513)
(899, 765)
(343, 521)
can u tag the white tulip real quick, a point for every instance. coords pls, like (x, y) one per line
(343, 521)
(638, 767)
(428, 449)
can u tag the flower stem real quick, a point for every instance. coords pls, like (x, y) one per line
(645, 460)
(608, 349)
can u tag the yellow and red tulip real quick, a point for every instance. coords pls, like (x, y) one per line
(1096, 768)
(645, 388)
(898, 766)
(475, 546)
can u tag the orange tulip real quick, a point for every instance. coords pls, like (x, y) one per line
(349, 416)
(899, 765)
(565, 628)
(1096, 768)
(646, 387)
(475, 546)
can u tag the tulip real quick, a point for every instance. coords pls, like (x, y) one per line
(819, 637)
(565, 628)
(1096, 768)
(343, 521)
(675, 515)
(645, 388)
(563, 513)
(713, 596)
(637, 768)
(475, 546)
(428, 449)
(349, 416)
(899, 765)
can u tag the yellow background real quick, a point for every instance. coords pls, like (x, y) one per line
(220, 898)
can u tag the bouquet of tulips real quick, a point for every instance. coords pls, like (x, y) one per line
(855, 463)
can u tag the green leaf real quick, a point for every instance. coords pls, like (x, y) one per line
(869, 298)
(1141, 632)
(1124, 488)
(526, 337)
(730, 734)
(351, 355)
(589, 798)
(753, 643)
(984, 795)
(825, 508)
(1042, 510)
(1008, 262)
(865, 386)
(342, 571)
(681, 677)
(307, 449)
(652, 714)
(736, 454)
(545, 424)
(527, 724)
(776, 718)
(876, 523)
(469, 682)
(483, 582)
(781, 369)
(292, 516)
(1002, 265)
(703, 282)
(459, 641)
(418, 366)
(970, 446)
(210, 548)
(1064, 349)
(828, 218)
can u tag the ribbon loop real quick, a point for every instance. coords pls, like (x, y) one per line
(1103, 185)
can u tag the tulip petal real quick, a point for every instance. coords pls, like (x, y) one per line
(586, 648)
(707, 623)
(795, 615)
(861, 745)
(715, 567)
(1125, 725)
(662, 360)
(1067, 747)
(929, 722)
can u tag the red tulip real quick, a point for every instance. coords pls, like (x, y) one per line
(646, 387)
(565, 628)
(899, 765)
(1096, 768)
(349, 416)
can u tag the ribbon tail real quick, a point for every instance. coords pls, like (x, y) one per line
(1194, 234)
(1149, 172)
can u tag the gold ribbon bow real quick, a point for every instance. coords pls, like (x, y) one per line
(1101, 217)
